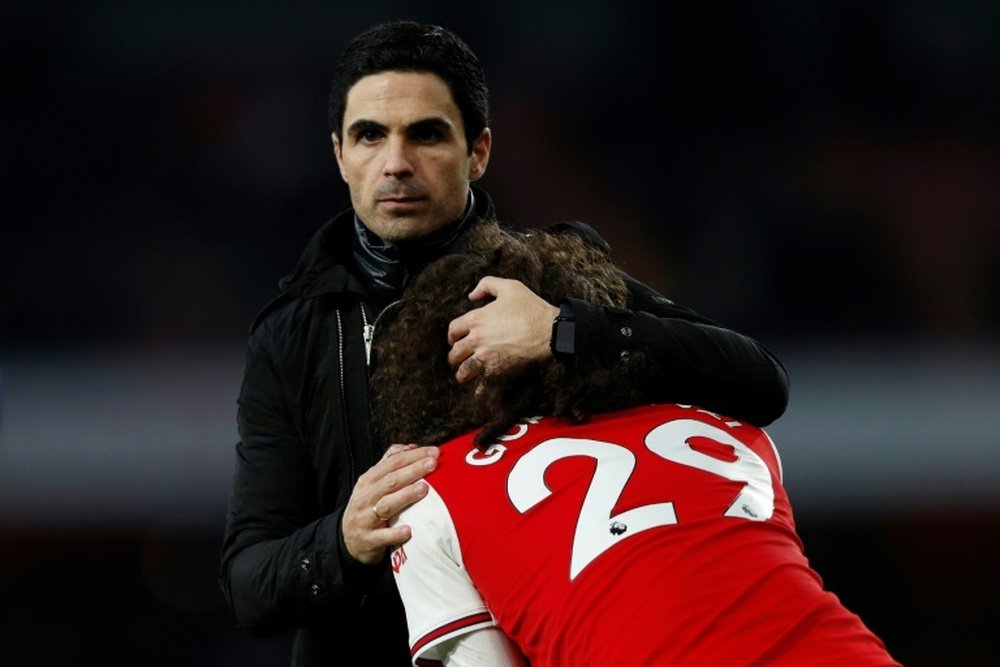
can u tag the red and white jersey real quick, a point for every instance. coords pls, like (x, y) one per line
(659, 535)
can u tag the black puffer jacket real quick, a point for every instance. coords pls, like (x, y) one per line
(304, 440)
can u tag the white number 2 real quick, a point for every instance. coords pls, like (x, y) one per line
(597, 529)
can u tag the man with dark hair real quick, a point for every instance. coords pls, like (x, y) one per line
(609, 531)
(306, 535)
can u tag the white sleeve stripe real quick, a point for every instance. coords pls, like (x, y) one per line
(450, 630)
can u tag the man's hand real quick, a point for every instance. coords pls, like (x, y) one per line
(513, 329)
(382, 492)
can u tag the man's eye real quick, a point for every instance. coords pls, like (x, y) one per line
(368, 136)
(427, 134)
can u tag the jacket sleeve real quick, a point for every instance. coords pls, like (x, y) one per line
(280, 565)
(694, 359)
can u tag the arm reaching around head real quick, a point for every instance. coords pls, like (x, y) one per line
(693, 359)
(514, 328)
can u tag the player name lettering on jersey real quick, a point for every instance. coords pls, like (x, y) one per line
(493, 453)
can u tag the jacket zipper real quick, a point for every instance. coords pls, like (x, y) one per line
(343, 398)
(368, 334)
(343, 395)
(368, 330)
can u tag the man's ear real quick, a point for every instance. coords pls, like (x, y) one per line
(339, 154)
(480, 154)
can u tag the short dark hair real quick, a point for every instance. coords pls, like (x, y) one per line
(409, 46)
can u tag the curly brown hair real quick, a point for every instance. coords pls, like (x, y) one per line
(416, 397)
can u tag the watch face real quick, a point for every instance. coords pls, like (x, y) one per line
(565, 337)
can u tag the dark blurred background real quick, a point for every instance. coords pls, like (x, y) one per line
(822, 176)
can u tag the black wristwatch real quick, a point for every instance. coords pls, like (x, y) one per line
(563, 341)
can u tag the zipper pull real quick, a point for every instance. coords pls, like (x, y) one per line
(369, 334)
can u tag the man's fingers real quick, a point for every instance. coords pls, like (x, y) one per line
(382, 492)
(459, 328)
(396, 482)
(373, 543)
(469, 369)
(487, 287)
(389, 536)
(390, 505)
(399, 457)
(396, 449)
(459, 352)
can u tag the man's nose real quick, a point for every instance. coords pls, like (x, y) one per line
(398, 157)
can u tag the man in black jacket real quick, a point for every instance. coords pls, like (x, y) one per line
(307, 529)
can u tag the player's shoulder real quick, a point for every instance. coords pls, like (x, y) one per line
(634, 424)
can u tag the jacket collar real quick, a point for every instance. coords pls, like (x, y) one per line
(327, 265)
(387, 267)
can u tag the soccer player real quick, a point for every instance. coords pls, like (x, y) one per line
(603, 533)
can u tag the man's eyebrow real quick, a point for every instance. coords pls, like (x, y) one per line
(435, 123)
(364, 125)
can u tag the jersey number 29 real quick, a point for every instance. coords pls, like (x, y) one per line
(597, 529)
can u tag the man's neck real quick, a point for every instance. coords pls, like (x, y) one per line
(386, 267)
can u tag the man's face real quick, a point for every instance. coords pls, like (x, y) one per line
(403, 154)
